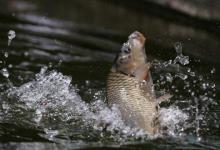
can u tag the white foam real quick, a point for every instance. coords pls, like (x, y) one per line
(50, 101)
(172, 119)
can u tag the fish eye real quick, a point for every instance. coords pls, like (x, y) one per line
(126, 50)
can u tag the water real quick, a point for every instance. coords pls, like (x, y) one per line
(184, 60)
(11, 36)
(4, 72)
(53, 69)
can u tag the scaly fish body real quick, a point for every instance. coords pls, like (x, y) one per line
(137, 107)
(129, 85)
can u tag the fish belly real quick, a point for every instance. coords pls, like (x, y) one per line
(136, 105)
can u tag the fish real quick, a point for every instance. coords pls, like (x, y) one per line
(130, 86)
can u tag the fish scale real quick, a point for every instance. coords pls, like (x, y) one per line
(137, 106)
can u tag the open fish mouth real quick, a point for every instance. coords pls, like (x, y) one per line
(137, 38)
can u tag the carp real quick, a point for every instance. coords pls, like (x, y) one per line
(130, 86)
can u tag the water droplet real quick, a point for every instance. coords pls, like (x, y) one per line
(11, 35)
(166, 63)
(199, 139)
(43, 70)
(10, 66)
(60, 62)
(6, 54)
(178, 47)
(181, 76)
(204, 86)
(161, 78)
(39, 115)
(5, 72)
(184, 60)
(192, 74)
(192, 93)
(5, 106)
(51, 133)
(194, 81)
(212, 85)
(26, 53)
(173, 87)
(87, 82)
(200, 78)
(213, 70)
(169, 77)
(50, 65)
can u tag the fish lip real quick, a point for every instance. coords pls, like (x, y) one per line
(136, 39)
(134, 35)
(137, 35)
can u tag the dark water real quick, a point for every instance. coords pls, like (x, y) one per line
(52, 83)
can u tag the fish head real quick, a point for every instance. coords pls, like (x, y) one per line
(132, 54)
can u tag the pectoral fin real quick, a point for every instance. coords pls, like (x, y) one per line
(163, 98)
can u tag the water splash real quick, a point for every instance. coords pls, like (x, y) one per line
(178, 47)
(11, 36)
(172, 120)
(51, 102)
(4, 72)
(181, 75)
(6, 54)
(193, 93)
(169, 77)
(184, 60)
